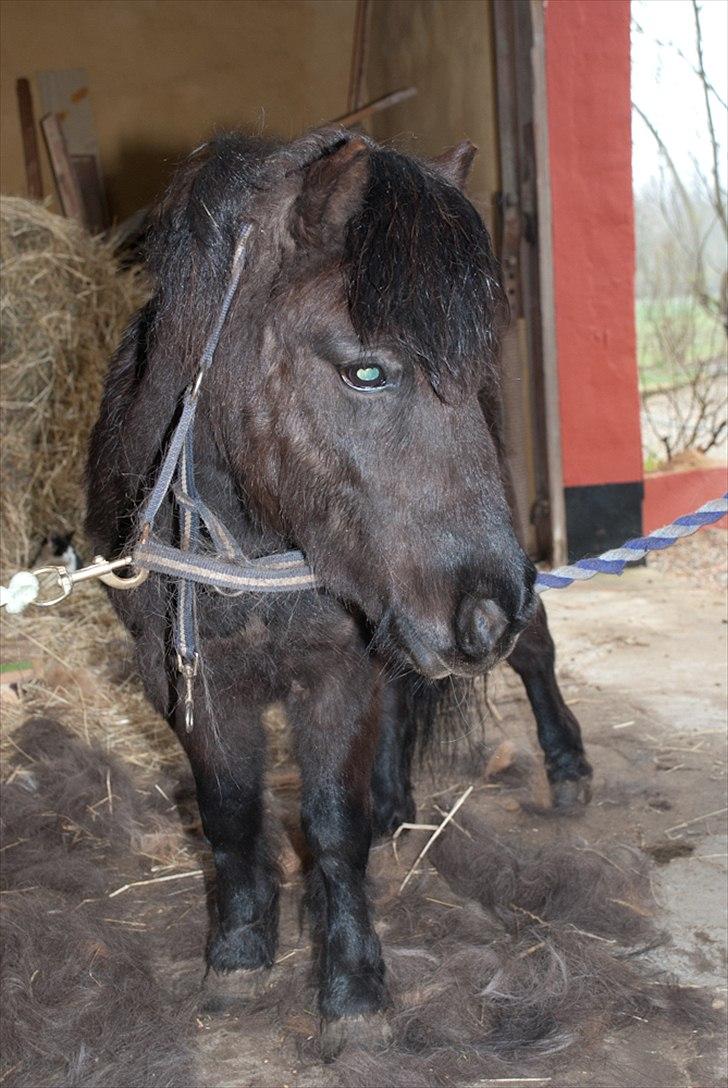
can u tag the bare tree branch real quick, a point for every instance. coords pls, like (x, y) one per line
(719, 203)
(683, 192)
(671, 45)
(684, 284)
(670, 163)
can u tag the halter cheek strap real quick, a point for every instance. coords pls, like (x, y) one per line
(229, 570)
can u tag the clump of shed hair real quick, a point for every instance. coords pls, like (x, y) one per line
(501, 964)
(83, 1006)
(528, 954)
(506, 960)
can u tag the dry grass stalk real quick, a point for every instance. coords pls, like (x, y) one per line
(435, 835)
(84, 675)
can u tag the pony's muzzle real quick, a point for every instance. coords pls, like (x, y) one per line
(417, 647)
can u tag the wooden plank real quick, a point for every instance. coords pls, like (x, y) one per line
(85, 168)
(552, 409)
(516, 361)
(31, 155)
(359, 52)
(69, 192)
(66, 93)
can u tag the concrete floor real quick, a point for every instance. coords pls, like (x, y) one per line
(654, 646)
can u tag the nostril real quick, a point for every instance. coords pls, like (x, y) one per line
(489, 621)
(481, 622)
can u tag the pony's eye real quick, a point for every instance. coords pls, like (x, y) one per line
(364, 377)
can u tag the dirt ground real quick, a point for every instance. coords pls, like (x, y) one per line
(642, 662)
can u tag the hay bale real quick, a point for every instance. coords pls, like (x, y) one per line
(63, 307)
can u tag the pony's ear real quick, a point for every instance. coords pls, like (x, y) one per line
(331, 191)
(454, 164)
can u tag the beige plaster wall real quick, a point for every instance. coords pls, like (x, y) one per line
(445, 48)
(164, 73)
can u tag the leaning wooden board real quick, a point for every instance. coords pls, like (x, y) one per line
(66, 94)
(33, 178)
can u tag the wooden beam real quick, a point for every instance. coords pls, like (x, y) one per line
(86, 169)
(552, 407)
(359, 52)
(33, 177)
(383, 103)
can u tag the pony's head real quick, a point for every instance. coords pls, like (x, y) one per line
(347, 388)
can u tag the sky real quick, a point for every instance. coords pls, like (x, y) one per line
(664, 86)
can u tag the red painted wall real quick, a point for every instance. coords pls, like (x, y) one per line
(588, 81)
(670, 494)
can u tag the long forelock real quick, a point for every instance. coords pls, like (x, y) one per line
(421, 274)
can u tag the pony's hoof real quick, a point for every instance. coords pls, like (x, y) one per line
(369, 1032)
(225, 990)
(570, 794)
(387, 818)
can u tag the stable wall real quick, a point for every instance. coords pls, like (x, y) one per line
(589, 122)
(163, 74)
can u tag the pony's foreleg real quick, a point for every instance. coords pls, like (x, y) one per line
(336, 726)
(559, 734)
(228, 774)
(392, 800)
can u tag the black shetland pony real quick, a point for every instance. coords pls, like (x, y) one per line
(352, 411)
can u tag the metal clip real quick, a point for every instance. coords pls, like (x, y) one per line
(63, 581)
(188, 669)
(107, 576)
(100, 568)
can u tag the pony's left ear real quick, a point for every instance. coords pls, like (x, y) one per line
(454, 164)
(332, 191)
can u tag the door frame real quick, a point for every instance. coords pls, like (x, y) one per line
(527, 250)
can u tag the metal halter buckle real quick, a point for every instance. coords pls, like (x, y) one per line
(188, 670)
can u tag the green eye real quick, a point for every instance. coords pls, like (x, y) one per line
(368, 373)
(364, 377)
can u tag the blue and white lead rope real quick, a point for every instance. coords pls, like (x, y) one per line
(24, 587)
(614, 561)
